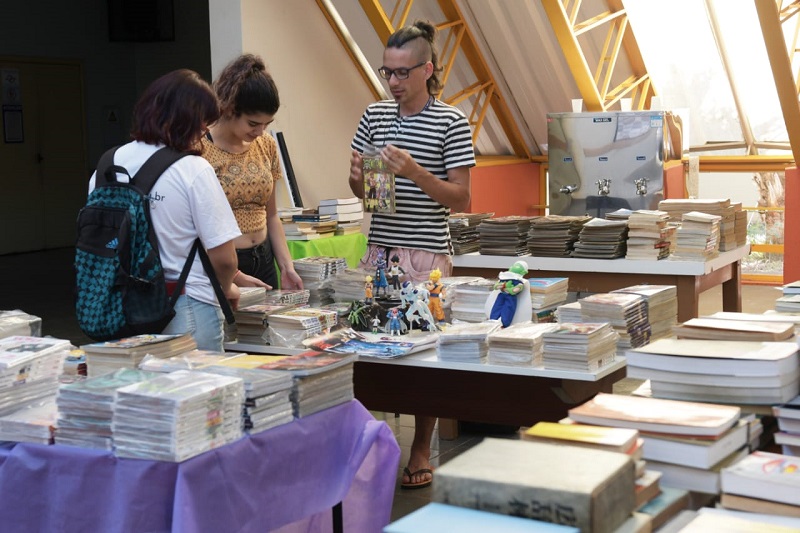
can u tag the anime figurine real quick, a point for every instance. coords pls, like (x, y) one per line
(407, 295)
(380, 274)
(395, 325)
(376, 324)
(395, 271)
(435, 288)
(510, 299)
(368, 289)
(419, 313)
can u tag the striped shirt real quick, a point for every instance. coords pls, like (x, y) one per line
(439, 139)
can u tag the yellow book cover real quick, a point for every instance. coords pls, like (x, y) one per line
(250, 361)
(617, 439)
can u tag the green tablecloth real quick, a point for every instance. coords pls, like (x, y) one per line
(351, 247)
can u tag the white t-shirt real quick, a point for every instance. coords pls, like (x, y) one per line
(186, 202)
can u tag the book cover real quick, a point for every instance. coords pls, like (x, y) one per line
(710, 519)
(127, 344)
(721, 329)
(592, 490)
(772, 476)
(339, 201)
(379, 186)
(610, 438)
(442, 517)
(20, 349)
(668, 503)
(758, 505)
(348, 340)
(698, 453)
(656, 415)
(310, 362)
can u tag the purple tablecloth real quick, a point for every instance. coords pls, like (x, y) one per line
(287, 476)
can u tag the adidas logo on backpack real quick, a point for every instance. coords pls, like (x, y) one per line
(120, 288)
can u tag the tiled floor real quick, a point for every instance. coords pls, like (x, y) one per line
(41, 284)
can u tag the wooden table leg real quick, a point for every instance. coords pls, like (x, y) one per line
(732, 290)
(688, 297)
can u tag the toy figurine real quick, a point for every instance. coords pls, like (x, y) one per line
(395, 325)
(510, 299)
(407, 295)
(435, 288)
(419, 313)
(394, 272)
(368, 289)
(380, 274)
(376, 324)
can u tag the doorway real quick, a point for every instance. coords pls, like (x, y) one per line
(43, 175)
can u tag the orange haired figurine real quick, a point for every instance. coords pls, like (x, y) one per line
(435, 288)
(368, 289)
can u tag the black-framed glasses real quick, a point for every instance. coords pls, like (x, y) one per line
(399, 73)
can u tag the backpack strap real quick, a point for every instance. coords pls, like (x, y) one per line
(156, 164)
(212, 276)
(106, 169)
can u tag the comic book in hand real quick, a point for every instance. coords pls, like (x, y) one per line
(381, 346)
(379, 186)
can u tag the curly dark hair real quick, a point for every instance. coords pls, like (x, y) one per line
(245, 86)
(175, 110)
(426, 31)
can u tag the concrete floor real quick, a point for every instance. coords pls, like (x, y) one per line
(41, 284)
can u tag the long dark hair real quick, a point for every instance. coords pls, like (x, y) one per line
(175, 110)
(245, 86)
(420, 30)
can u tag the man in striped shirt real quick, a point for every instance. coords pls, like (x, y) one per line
(428, 146)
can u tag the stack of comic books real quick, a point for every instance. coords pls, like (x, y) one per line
(469, 301)
(464, 231)
(252, 322)
(547, 292)
(376, 345)
(626, 312)
(267, 401)
(649, 235)
(175, 416)
(29, 369)
(186, 361)
(128, 352)
(697, 237)
(287, 297)
(290, 328)
(34, 422)
(466, 342)
(519, 344)
(662, 307)
(555, 235)
(319, 379)
(505, 235)
(602, 239)
(348, 285)
(86, 407)
(316, 273)
(581, 346)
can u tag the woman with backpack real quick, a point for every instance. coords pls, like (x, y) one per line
(186, 202)
(245, 159)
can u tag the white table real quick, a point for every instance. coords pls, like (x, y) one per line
(602, 275)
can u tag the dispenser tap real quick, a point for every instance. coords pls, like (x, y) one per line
(568, 189)
(641, 186)
(603, 187)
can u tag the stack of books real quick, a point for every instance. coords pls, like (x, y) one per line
(697, 237)
(252, 322)
(466, 342)
(309, 226)
(763, 482)
(29, 369)
(505, 235)
(649, 235)
(722, 329)
(662, 307)
(267, 401)
(548, 292)
(724, 371)
(555, 235)
(594, 488)
(105, 357)
(464, 231)
(252, 296)
(788, 303)
(347, 212)
(788, 434)
(626, 312)
(377, 345)
(601, 239)
(581, 346)
(17, 322)
(621, 440)
(519, 344)
(86, 408)
(469, 301)
(290, 328)
(450, 289)
(320, 380)
(348, 285)
(732, 218)
(287, 297)
(35, 422)
(175, 416)
(688, 442)
(316, 273)
(191, 360)
(570, 312)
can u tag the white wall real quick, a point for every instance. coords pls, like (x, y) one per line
(322, 93)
